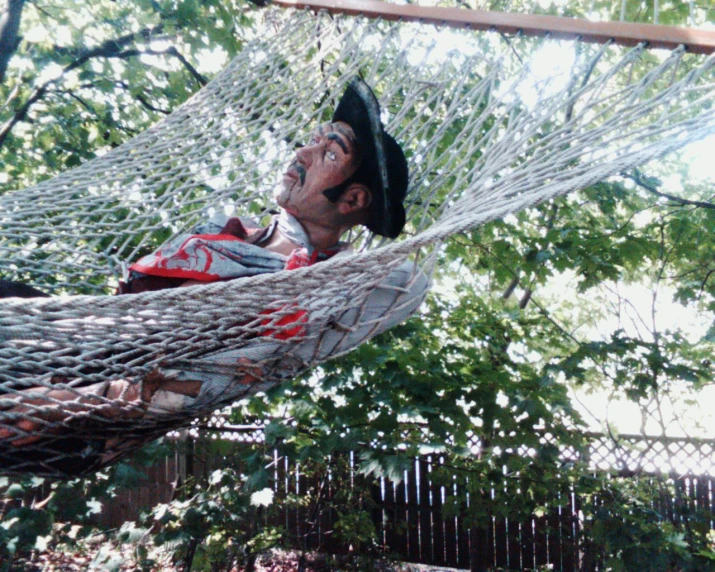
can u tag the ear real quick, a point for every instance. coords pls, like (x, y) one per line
(355, 198)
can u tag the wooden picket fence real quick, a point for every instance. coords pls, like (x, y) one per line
(409, 517)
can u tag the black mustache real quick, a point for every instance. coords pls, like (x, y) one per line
(301, 173)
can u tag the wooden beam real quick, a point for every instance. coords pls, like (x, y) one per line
(624, 33)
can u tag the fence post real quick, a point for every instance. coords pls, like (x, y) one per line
(478, 549)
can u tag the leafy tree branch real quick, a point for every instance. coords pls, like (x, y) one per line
(110, 49)
(514, 283)
(639, 180)
(143, 100)
(113, 47)
(200, 79)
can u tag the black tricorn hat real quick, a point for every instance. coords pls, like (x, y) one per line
(384, 167)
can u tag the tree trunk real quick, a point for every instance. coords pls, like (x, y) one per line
(9, 28)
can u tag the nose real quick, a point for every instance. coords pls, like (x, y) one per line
(304, 155)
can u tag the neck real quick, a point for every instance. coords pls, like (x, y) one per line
(292, 233)
(321, 237)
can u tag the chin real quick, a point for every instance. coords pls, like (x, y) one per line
(281, 197)
(290, 211)
(283, 201)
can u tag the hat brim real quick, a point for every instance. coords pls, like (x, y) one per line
(359, 108)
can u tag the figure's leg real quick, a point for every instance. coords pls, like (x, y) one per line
(200, 385)
(38, 409)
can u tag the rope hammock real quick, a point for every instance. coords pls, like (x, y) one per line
(485, 133)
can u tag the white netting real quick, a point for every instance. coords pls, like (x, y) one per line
(485, 132)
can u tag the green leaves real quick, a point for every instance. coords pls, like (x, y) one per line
(112, 92)
(531, 306)
(21, 528)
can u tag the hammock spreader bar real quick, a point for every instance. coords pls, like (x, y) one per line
(560, 28)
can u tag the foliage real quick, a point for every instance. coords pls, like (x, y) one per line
(227, 518)
(86, 77)
(211, 526)
(538, 304)
(643, 523)
(36, 513)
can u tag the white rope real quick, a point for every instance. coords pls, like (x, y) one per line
(485, 137)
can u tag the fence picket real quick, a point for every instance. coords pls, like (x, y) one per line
(439, 521)
(462, 537)
(541, 556)
(501, 542)
(413, 514)
(513, 542)
(401, 519)
(425, 511)
(553, 524)
(570, 543)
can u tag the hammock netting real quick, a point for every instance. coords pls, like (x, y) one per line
(484, 134)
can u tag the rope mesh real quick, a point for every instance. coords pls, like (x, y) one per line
(486, 134)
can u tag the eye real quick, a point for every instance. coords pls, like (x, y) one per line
(331, 155)
(314, 140)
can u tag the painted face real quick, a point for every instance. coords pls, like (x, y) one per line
(327, 160)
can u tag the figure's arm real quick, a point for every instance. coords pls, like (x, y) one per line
(389, 304)
(262, 363)
(9, 289)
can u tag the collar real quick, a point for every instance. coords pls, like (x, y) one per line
(289, 227)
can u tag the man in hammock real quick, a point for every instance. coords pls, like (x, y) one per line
(349, 173)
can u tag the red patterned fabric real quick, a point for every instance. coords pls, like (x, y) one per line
(228, 255)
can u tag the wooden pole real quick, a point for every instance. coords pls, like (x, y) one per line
(624, 33)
